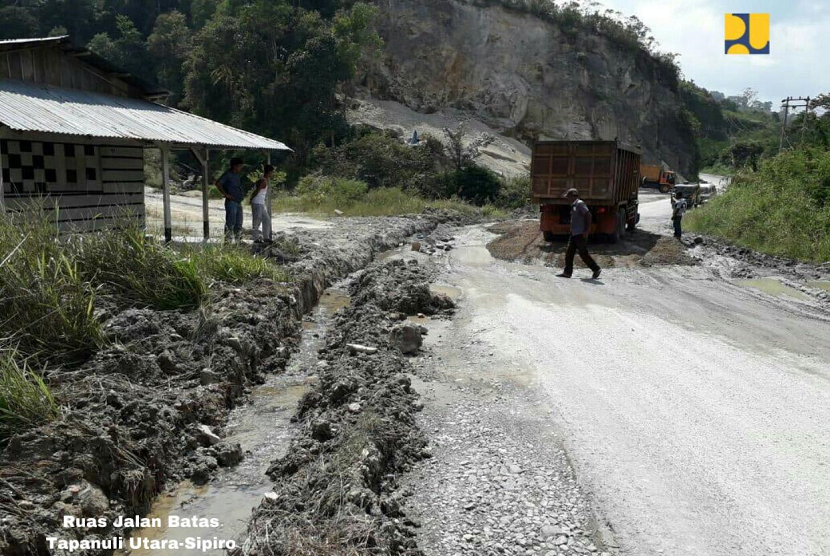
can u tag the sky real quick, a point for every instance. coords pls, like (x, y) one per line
(799, 59)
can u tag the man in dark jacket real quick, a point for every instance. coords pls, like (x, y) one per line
(580, 229)
(230, 185)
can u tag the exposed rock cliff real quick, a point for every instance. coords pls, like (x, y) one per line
(523, 77)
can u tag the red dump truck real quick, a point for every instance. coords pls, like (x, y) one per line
(606, 174)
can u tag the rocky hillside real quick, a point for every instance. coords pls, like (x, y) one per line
(521, 76)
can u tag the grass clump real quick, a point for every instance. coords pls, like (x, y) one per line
(782, 209)
(25, 399)
(138, 271)
(232, 264)
(47, 305)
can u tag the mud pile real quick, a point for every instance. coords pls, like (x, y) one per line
(142, 412)
(336, 491)
(750, 263)
(148, 409)
(521, 241)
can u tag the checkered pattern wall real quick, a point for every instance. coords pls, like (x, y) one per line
(38, 168)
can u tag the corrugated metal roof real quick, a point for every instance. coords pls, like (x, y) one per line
(39, 40)
(44, 109)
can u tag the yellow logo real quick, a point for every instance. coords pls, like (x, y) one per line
(746, 33)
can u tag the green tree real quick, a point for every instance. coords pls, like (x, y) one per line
(278, 79)
(128, 50)
(17, 23)
(170, 44)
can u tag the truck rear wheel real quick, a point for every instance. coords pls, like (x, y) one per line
(549, 236)
(619, 230)
(664, 188)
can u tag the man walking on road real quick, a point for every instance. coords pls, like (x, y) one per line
(230, 185)
(677, 214)
(580, 228)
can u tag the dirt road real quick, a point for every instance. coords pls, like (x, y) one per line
(694, 409)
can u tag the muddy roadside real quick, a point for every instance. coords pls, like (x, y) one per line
(336, 491)
(149, 409)
(767, 273)
(406, 449)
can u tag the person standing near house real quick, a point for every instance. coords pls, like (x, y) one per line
(580, 228)
(677, 214)
(230, 186)
(262, 215)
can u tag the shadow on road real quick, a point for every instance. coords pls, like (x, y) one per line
(521, 241)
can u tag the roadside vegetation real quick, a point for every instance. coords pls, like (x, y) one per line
(739, 132)
(51, 285)
(377, 174)
(25, 399)
(782, 209)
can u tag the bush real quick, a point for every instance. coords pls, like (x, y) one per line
(781, 209)
(514, 193)
(473, 183)
(25, 399)
(316, 189)
(381, 160)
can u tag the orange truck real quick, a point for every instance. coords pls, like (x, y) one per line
(657, 176)
(607, 176)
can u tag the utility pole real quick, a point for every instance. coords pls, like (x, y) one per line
(788, 103)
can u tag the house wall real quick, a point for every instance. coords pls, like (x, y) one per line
(50, 65)
(84, 184)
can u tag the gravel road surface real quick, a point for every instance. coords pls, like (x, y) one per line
(694, 410)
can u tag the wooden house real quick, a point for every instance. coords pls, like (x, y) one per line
(74, 130)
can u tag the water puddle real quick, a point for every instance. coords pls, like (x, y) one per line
(264, 430)
(773, 287)
(820, 284)
(334, 300)
(472, 255)
(450, 291)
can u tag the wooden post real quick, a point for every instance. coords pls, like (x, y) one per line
(165, 183)
(2, 186)
(269, 200)
(204, 159)
(205, 199)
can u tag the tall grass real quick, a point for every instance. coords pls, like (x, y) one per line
(232, 264)
(25, 399)
(384, 201)
(138, 271)
(783, 209)
(46, 305)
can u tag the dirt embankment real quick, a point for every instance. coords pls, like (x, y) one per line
(149, 409)
(336, 492)
(521, 241)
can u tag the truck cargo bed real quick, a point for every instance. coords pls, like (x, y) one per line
(599, 170)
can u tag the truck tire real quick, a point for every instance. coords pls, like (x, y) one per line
(619, 230)
(631, 226)
(664, 188)
(549, 236)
